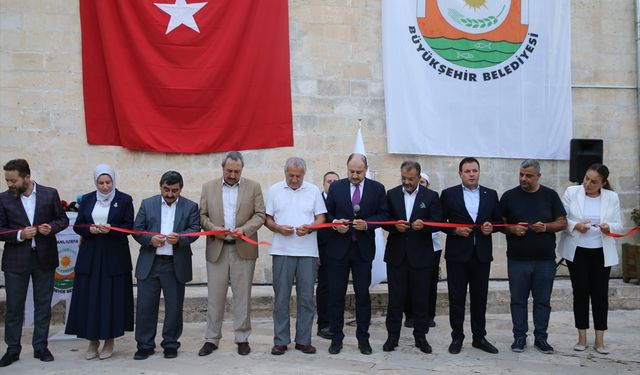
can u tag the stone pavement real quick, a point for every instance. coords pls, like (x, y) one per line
(622, 339)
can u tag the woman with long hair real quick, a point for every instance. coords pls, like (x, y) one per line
(593, 211)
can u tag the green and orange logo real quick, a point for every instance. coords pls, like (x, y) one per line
(65, 274)
(470, 37)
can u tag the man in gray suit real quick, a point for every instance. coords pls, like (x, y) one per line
(235, 203)
(164, 264)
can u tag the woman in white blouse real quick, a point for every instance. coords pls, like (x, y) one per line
(593, 211)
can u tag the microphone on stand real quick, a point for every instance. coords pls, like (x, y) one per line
(356, 211)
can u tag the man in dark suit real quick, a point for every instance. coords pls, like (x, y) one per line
(322, 290)
(30, 216)
(468, 252)
(409, 254)
(353, 199)
(164, 264)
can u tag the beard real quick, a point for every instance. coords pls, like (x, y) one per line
(18, 190)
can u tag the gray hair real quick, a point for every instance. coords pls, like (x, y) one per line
(531, 163)
(296, 163)
(233, 155)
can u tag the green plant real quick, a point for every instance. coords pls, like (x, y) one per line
(635, 216)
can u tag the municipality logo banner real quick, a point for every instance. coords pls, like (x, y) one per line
(486, 78)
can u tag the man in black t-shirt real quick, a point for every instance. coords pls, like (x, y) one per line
(531, 244)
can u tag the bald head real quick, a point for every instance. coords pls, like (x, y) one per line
(356, 168)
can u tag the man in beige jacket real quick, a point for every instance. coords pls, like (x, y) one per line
(233, 203)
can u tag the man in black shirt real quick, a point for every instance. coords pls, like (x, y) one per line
(539, 213)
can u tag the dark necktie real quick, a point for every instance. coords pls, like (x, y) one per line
(355, 202)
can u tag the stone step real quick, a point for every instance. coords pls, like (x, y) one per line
(622, 296)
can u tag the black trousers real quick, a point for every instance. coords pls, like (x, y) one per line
(403, 281)
(590, 280)
(338, 279)
(433, 291)
(16, 285)
(162, 278)
(475, 275)
(322, 291)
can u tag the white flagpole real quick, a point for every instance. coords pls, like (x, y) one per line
(378, 268)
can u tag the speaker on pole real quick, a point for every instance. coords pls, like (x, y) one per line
(584, 152)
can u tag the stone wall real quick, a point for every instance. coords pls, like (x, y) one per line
(336, 69)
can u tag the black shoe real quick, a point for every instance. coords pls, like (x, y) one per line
(432, 323)
(325, 333)
(9, 358)
(244, 348)
(390, 345)
(335, 347)
(519, 344)
(423, 345)
(484, 345)
(408, 322)
(143, 353)
(456, 346)
(207, 349)
(364, 347)
(170, 353)
(543, 346)
(43, 354)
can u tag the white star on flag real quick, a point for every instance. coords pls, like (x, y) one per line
(181, 14)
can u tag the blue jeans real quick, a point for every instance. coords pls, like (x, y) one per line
(535, 278)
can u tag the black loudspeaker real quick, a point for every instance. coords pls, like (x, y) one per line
(584, 152)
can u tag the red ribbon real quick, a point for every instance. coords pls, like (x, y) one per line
(317, 226)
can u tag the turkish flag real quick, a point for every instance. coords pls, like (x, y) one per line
(192, 77)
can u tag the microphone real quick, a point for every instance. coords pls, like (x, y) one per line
(356, 210)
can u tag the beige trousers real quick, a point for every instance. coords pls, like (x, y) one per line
(229, 269)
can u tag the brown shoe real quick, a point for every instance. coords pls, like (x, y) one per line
(306, 349)
(244, 348)
(279, 349)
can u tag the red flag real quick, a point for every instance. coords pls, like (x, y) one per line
(190, 76)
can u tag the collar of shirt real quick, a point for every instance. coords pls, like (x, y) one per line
(33, 192)
(352, 188)
(224, 183)
(302, 186)
(164, 203)
(464, 188)
(413, 193)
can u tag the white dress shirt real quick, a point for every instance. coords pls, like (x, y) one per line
(168, 216)
(409, 201)
(471, 201)
(230, 204)
(29, 204)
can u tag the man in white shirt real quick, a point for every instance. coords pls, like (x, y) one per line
(164, 264)
(293, 205)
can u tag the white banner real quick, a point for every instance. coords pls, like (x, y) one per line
(488, 78)
(68, 245)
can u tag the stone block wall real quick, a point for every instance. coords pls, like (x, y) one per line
(336, 69)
